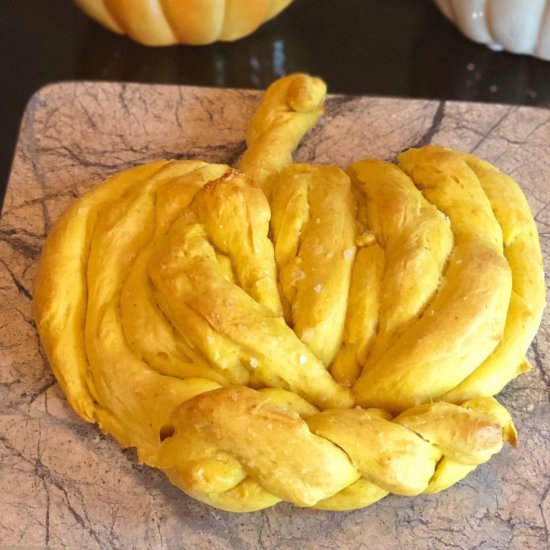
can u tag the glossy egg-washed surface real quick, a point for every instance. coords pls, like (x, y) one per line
(296, 332)
(164, 22)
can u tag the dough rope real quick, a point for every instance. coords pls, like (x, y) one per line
(296, 332)
(401, 455)
(289, 109)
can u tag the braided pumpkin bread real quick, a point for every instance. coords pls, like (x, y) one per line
(296, 332)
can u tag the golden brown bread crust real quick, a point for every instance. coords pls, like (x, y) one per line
(319, 337)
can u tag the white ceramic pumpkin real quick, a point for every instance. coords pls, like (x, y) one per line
(519, 26)
(165, 22)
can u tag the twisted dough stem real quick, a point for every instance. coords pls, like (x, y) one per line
(290, 108)
(309, 462)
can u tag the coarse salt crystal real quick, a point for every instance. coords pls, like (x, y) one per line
(302, 359)
(318, 288)
(254, 362)
(444, 216)
(348, 253)
(297, 275)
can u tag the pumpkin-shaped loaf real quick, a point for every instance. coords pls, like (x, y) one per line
(296, 332)
(165, 22)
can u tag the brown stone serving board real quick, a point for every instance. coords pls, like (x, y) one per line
(65, 485)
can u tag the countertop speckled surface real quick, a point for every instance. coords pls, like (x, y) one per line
(64, 485)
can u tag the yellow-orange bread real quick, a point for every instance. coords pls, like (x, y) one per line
(296, 332)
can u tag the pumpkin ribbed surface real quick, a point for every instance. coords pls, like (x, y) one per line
(165, 22)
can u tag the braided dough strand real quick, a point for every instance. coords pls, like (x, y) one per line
(355, 452)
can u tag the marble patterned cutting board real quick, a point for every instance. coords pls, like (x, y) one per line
(65, 485)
